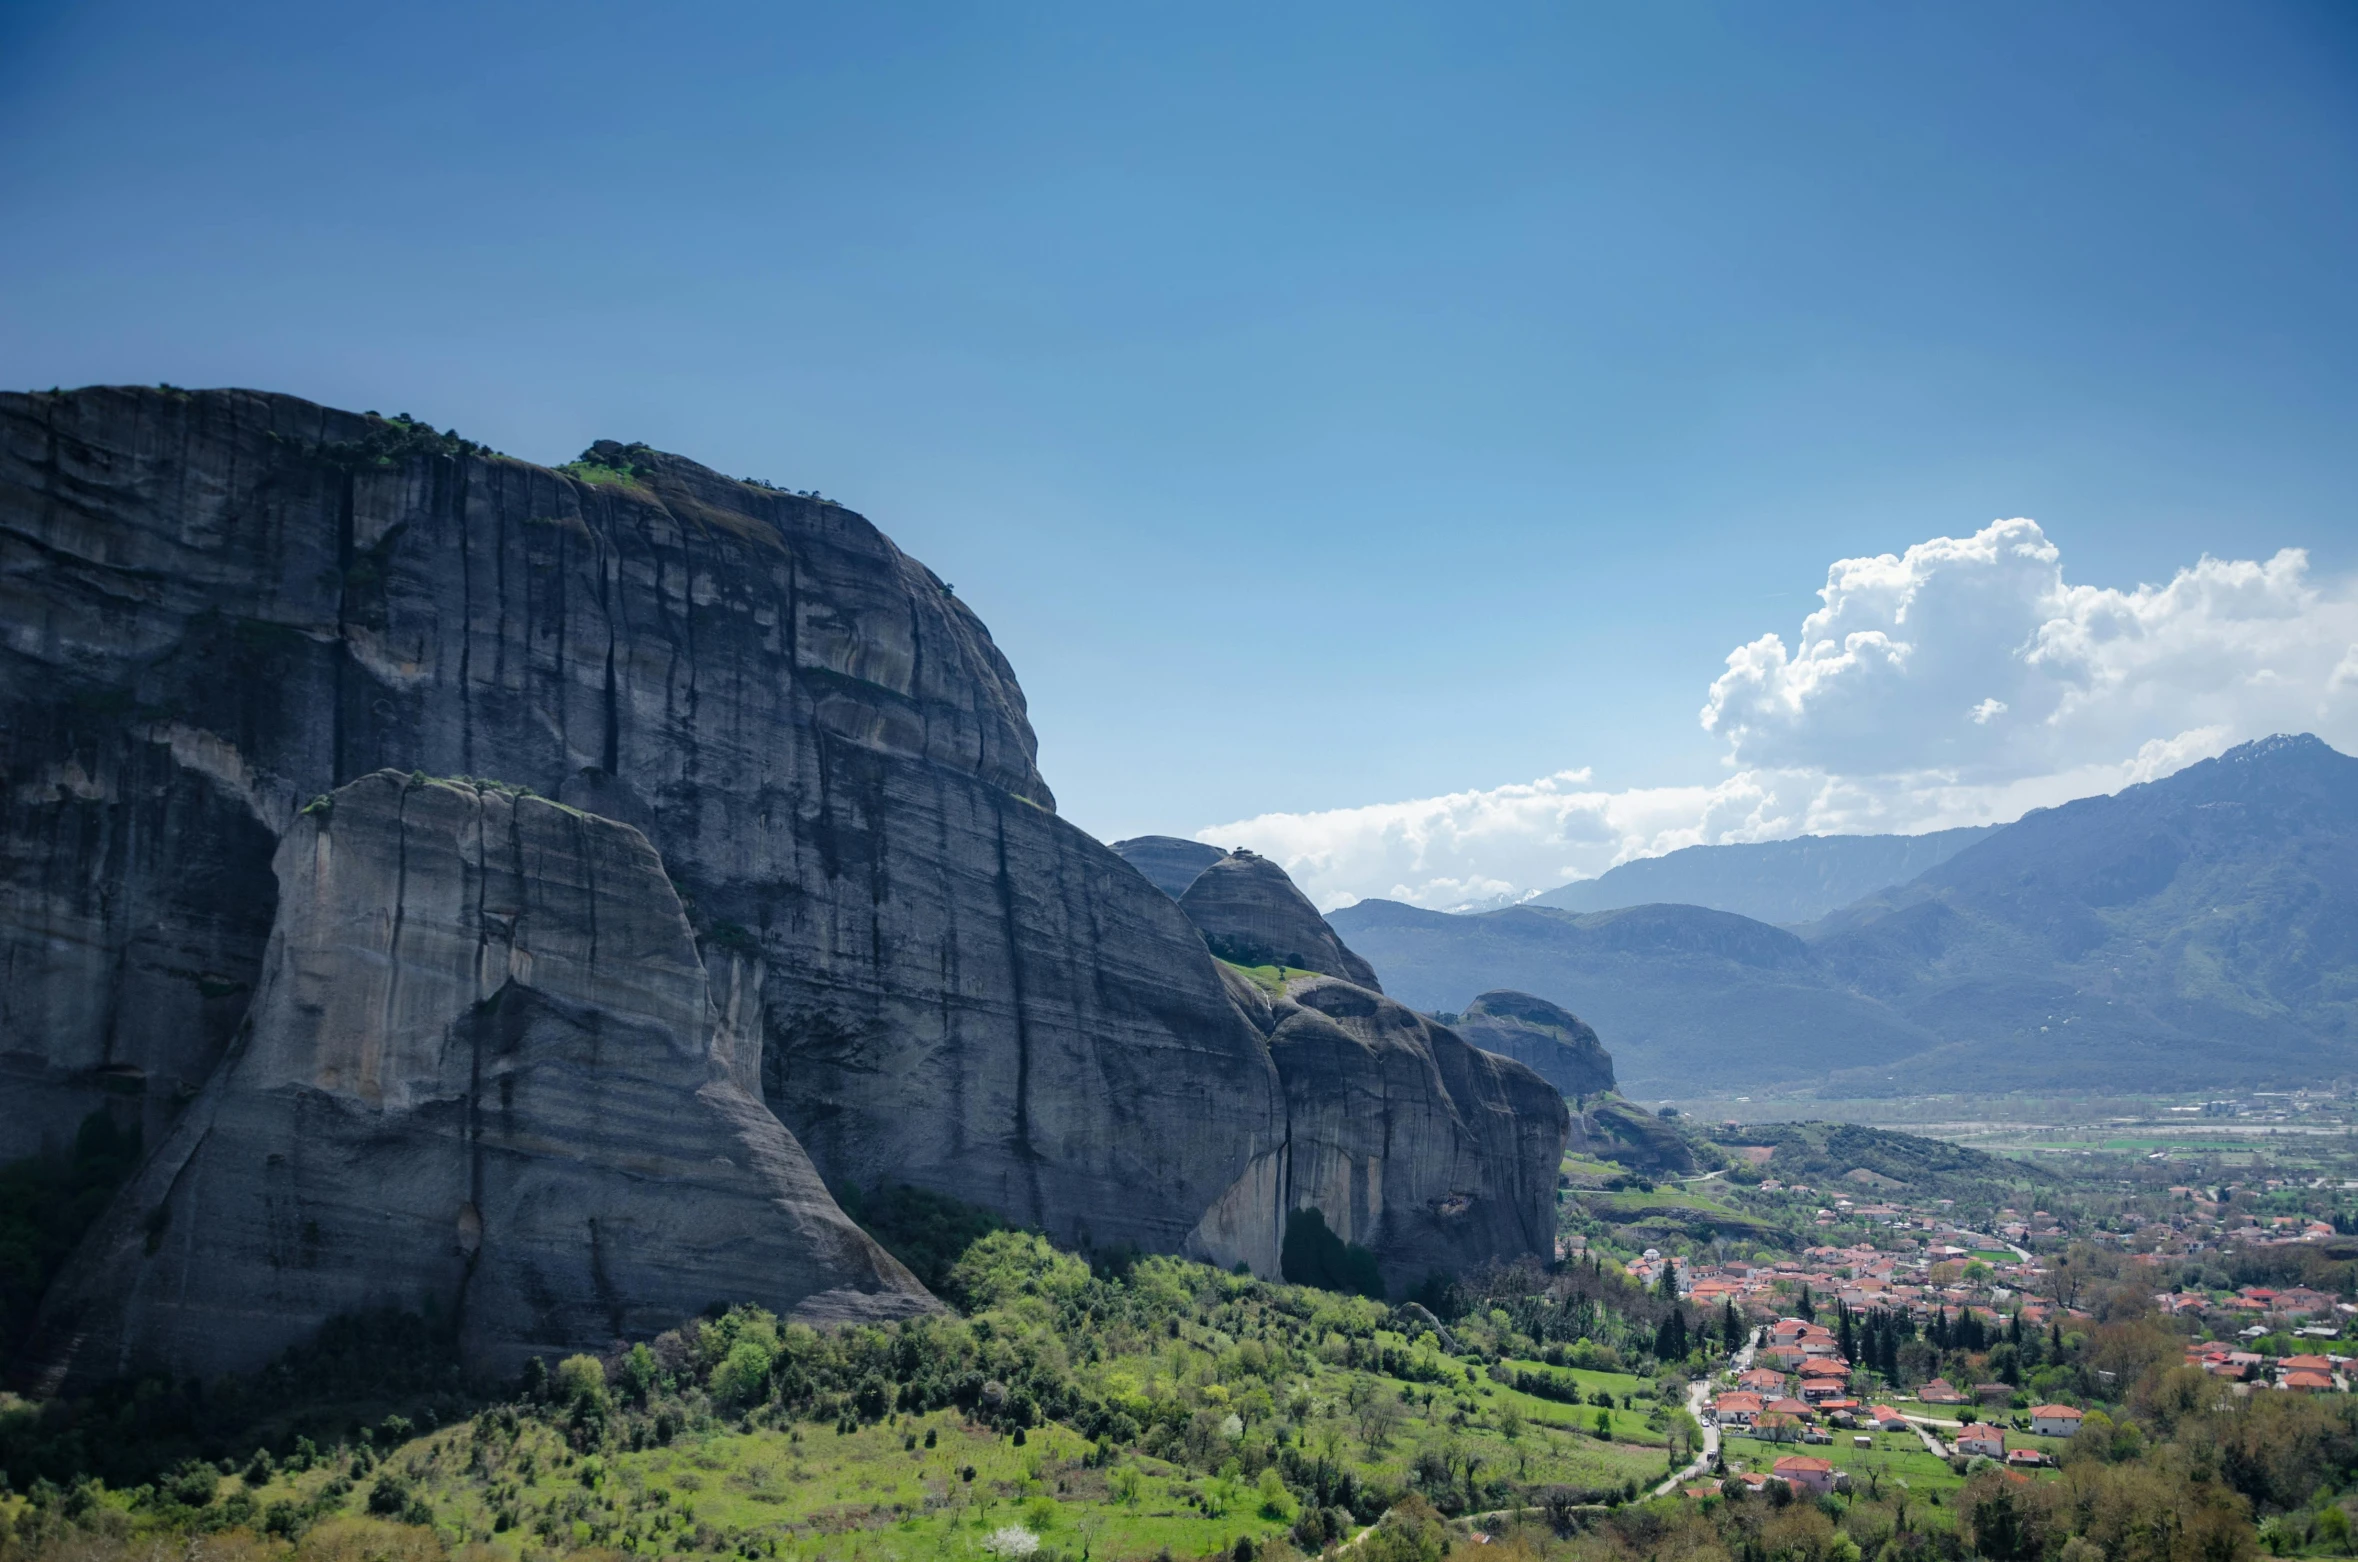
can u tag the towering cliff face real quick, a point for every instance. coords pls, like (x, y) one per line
(221, 604)
(1551, 1041)
(1428, 1151)
(482, 1071)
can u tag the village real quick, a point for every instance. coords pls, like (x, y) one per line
(1910, 1330)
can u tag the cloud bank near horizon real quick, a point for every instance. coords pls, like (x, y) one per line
(1964, 681)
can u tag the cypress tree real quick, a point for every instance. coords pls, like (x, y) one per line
(1670, 1341)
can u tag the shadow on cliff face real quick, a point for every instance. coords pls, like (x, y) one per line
(47, 1203)
(925, 1230)
(1316, 1256)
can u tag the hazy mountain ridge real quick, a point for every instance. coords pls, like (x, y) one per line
(2201, 929)
(2209, 918)
(1657, 982)
(1781, 882)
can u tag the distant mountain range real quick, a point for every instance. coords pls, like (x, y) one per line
(1785, 882)
(2197, 931)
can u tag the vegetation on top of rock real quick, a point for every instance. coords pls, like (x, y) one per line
(389, 442)
(1271, 979)
(609, 463)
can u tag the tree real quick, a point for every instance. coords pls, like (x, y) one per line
(582, 1379)
(1731, 1328)
(1670, 1341)
(1374, 1412)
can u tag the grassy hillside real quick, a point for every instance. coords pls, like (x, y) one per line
(1166, 1407)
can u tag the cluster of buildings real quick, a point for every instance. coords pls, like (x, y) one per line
(1800, 1391)
(1941, 1270)
(2305, 1374)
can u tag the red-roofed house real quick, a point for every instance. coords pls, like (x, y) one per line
(2055, 1420)
(1806, 1473)
(1735, 1409)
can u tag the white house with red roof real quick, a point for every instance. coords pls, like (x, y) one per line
(2056, 1420)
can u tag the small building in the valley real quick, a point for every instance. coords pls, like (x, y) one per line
(2056, 1420)
(1986, 1441)
(1805, 1472)
(1735, 1409)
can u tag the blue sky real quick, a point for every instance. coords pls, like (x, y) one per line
(1326, 406)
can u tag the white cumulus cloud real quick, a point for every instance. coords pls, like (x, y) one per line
(1961, 682)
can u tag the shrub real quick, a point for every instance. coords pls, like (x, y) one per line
(581, 1380)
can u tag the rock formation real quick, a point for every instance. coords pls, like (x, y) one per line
(1169, 863)
(1552, 1042)
(1251, 913)
(483, 1071)
(219, 605)
(1428, 1151)
(1614, 1129)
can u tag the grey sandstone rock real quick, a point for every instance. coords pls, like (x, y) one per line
(1552, 1042)
(482, 1072)
(1169, 863)
(216, 606)
(1250, 912)
(1431, 1153)
(221, 604)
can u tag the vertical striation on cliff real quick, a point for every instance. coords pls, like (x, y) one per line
(216, 606)
(483, 1072)
(222, 603)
